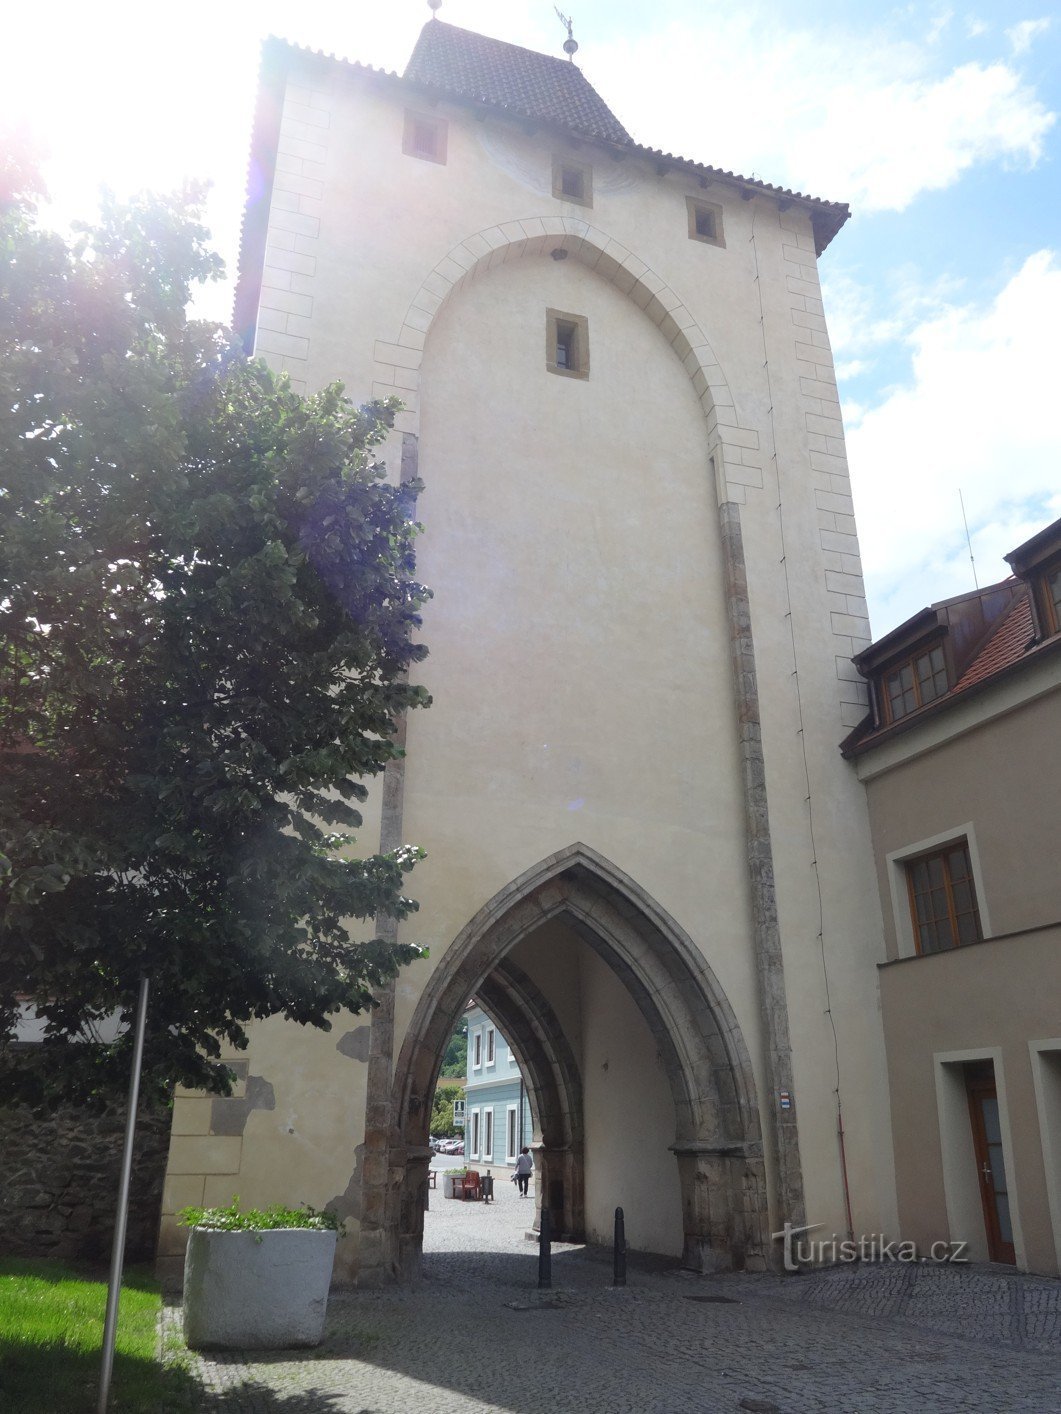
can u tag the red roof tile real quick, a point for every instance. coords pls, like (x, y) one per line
(1006, 646)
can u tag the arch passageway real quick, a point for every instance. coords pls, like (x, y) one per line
(640, 1082)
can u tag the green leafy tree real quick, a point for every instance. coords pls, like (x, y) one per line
(442, 1125)
(207, 597)
(455, 1060)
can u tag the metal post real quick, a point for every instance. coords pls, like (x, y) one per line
(619, 1253)
(110, 1324)
(545, 1255)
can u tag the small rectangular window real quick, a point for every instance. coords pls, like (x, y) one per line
(477, 1050)
(705, 221)
(510, 1134)
(474, 1146)
(567, 344)
(943, 899)
(424, 137)
(489, 1045)
(572, 181)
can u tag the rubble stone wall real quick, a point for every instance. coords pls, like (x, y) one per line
(59, 1179)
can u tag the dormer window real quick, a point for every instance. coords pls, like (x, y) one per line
(572, 181)
(1038, 563)
(1052, 585)
(913, 684)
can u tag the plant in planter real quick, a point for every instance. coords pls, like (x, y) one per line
(448, 1175)
(257, 1279)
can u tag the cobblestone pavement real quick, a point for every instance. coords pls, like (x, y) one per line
(476, 1337)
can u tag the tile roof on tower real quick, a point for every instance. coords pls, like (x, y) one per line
(471, 66)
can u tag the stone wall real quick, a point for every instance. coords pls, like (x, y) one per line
(59, 1179)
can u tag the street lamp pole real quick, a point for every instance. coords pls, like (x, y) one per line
(110, 1324)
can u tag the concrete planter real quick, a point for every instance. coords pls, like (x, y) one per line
(256, 1290)
(447, 1185)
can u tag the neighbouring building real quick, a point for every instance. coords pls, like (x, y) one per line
(498, 1121)
(961, 760)
(645, 856)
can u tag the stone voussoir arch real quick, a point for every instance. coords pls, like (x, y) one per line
(734, 443)
(718, 1142)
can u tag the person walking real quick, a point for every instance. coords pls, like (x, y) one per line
(524, 1169)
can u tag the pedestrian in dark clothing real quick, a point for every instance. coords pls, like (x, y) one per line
(524, 1169)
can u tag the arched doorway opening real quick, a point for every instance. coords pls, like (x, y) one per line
(513, 956)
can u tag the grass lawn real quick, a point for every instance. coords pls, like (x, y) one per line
(51, 1337)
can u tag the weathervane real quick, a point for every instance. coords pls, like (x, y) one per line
(570, 43)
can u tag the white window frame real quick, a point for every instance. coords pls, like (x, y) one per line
(511, 1133)
(476, 1132)
(488, 1134)
(490, 1048)
(896, 862)
(477, 1048)
(1046, 1081)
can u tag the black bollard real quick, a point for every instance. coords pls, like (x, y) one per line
(545, 1254)
(619, 1255)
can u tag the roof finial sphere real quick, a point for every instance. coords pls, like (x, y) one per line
(570, 43)
(435, 6)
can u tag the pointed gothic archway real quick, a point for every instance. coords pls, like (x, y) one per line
(717, 1142)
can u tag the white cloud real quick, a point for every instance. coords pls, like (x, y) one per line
(1021, 35)
(975, 27)
(979, 414)
(938, 26)
(851, 368)
(857, 116)
(860, 333)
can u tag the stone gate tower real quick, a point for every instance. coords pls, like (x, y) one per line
(646, 857)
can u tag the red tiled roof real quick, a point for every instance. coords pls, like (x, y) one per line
(504, 75)
(1006, 646)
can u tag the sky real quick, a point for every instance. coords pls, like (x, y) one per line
(938, 124)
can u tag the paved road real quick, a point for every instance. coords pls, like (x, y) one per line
(476, 1337)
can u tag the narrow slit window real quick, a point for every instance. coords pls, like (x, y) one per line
(567, 344)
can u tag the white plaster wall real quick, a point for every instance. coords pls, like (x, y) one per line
(627, 1104)
(579, 658)
(578, 650)
(629, 1119)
